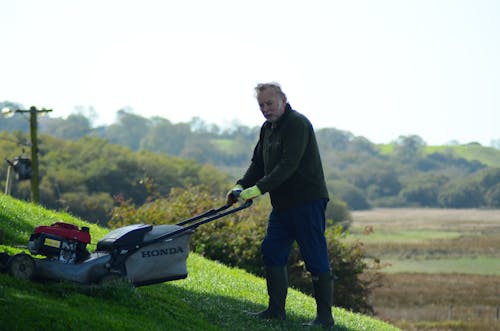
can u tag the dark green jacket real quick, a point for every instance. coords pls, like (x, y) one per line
(286, 162)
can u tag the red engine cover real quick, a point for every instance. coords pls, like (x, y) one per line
(65, 230)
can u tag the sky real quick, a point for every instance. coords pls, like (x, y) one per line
(378, 69)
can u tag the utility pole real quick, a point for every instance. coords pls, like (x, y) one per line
(33, 112)
(8, 181)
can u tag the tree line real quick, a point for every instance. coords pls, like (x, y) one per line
(358, 172)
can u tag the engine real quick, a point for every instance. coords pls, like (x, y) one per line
(60, 241)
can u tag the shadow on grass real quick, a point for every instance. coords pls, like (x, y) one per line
(234, 314)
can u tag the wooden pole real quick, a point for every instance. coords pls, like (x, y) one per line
(35, 196)
(34, 156)
(8, 180)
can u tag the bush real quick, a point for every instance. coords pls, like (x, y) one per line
(353, 196)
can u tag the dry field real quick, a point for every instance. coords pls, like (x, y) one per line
(466, 220)
(443, 266)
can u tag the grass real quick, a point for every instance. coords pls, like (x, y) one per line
(466, 265)
(472, 152)
(225, 145)
(486, 155)
(18, 219)
(213, 297)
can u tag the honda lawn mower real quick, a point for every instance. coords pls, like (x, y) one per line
(142, 254)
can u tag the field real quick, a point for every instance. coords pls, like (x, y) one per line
(441, 267)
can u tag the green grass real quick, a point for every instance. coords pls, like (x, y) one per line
(487, 155)
(213, 297)
(465, 265)
(18, 219)
(226, 145)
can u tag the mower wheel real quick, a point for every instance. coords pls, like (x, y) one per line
(111, 278)
(21, 266)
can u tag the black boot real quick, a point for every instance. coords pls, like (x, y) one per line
(323, 293)
(277, 287)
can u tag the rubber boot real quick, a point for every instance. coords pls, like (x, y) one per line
(277, 287)
(323, 293)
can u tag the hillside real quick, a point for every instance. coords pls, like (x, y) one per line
(213, 297)
(471, 152)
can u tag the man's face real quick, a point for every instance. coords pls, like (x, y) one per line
(271, 105)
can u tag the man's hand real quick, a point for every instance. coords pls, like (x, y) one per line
(249, 193)
(233, 194)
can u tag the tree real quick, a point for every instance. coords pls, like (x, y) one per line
(461, 194)
(408, 148)
(489, 177)
(333, 138)
(75, 127)
(492, 196)
(363, 145)
(129, 130)
(353, 196)
(377, 179)
(167, 138)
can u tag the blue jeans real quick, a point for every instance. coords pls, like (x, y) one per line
(304, 224)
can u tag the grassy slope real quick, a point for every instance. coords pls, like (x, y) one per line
(213, 297)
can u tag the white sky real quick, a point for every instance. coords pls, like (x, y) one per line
(379, 69)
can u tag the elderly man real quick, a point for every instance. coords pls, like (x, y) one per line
(287, 164)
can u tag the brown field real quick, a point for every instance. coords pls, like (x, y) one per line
(467, 220)
(421, 300)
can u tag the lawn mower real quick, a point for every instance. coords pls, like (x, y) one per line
(142, 254)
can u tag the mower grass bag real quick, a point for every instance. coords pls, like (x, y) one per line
(151, 263)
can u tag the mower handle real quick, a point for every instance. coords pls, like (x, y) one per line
(214, 213)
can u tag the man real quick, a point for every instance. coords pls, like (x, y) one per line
(287, 164)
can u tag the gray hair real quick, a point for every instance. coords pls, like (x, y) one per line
(276, 87)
